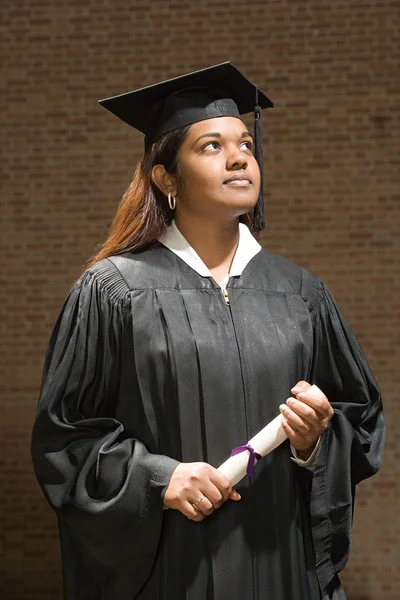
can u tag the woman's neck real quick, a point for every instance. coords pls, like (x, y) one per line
(214, 241)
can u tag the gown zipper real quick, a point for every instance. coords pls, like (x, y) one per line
(228, 304)
(226, 296)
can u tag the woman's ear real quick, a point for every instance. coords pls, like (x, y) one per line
(164, 181)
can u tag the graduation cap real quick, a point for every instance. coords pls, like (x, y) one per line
(217, 91)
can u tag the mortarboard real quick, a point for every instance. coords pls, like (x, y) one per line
(217, 91)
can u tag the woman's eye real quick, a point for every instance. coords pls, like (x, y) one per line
(210, 144)
(249, 146)
(216, 145)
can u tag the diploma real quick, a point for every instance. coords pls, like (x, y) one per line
(266, 440)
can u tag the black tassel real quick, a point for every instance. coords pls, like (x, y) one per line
(258, 214)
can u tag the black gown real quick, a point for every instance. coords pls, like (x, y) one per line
(147, 366)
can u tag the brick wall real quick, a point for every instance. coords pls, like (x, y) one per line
(332, 193)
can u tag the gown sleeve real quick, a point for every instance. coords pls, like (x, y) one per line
(105, 487)
(352, 446)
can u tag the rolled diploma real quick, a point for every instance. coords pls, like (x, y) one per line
(263, 443)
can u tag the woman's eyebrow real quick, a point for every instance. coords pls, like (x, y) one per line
(216, 134)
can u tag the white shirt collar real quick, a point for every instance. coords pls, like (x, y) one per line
(247, 248)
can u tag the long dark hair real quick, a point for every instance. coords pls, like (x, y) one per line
(144, 213)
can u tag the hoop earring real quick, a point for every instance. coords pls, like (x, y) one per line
(172, 203)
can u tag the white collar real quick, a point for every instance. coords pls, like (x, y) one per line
(247, 248)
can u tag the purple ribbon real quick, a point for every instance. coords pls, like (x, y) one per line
(252, 457)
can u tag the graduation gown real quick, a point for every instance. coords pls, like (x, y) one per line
(148, 366)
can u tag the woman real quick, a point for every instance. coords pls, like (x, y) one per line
(179, 342)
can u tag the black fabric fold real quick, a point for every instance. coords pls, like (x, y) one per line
(103, 484)
(352, 446)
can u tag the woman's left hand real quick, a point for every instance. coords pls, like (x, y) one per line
(305, 418)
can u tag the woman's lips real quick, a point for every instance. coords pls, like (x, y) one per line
(239, 182)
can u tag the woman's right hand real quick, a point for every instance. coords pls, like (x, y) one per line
(190, 482)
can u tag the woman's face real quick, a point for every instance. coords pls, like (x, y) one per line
(220, 175)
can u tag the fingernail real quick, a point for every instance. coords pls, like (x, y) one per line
(296, 389)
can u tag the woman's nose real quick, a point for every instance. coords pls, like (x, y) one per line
(237, 160)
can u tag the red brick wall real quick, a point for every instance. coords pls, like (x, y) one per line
(332, 181)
